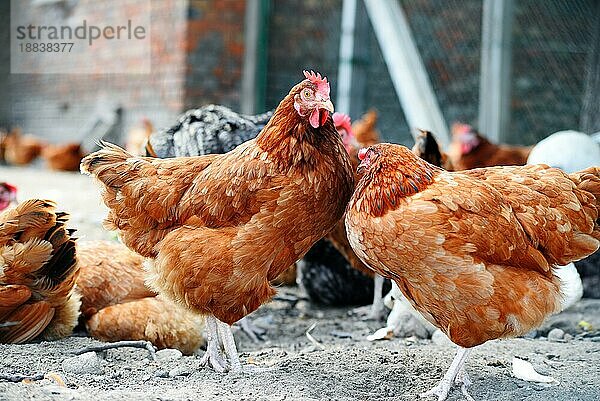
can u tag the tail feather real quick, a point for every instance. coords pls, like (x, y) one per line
(588, 180)
(109, 165)
(571, 287)
(39, 272)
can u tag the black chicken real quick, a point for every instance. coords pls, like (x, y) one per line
(208, 129)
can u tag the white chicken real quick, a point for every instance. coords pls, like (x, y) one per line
(568, 150)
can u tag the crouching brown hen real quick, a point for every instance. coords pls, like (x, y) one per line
(116, 305)
(217, 228)
(476, 252)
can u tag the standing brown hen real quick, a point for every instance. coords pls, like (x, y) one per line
(477, 252)
(217, 228)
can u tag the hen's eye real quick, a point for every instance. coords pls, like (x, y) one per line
(307, 93)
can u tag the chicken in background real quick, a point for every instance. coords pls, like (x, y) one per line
(116, 305)
(365, 130)
(19, 149)
(137, 138)
(324, 275)
(428, 149)
(469, 150)
(8, 195)
(218, 228)
(476, 252)
(38, 270)
(63, 157)
(210, 129)
(572, 151)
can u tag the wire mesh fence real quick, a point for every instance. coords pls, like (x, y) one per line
(552, 42)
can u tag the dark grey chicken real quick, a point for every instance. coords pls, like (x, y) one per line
(208, 129)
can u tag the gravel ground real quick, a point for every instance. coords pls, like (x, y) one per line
(342, 365)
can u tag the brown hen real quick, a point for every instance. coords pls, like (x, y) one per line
(469, 150)
(477, 252)
(20, 150)
(219, 227)
(116, 305)
(64, 157)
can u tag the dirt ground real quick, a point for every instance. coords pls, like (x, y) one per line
(343, 365)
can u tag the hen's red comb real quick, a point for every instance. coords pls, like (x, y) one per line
(317, 79)
(362, 153)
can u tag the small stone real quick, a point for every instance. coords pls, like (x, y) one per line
(556, 335)
(568, 337)
(162, 374)
(179, 371)
(168, 354)
(87, 363)
(439, 338)
(532, 334)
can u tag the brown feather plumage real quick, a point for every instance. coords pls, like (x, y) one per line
(473, 251)
(219, 227)
(116, 305)
(38, 269)
(485, 153)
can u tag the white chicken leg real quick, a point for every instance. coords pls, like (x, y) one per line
(213, 356)
(228, 341)
(455, 373)
(375, 311)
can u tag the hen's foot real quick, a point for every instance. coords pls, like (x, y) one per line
(228, 341)
(456, 373)
(213, 356)
(376, 311)
(465, 382)
(440, 391)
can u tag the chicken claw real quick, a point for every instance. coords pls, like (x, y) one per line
(228, 342)
(213, 356)
(375, 311)
(456, 373)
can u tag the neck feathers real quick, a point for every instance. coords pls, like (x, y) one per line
(291, 141)
(384, 187)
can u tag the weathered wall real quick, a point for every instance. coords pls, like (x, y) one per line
(59, 106)
(215, 52)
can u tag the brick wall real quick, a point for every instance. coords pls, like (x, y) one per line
(215, 52)
(59, 106)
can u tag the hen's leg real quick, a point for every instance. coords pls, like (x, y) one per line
(444, 386)
(251, 330)
(213, 355)
(462, 378)
(378, 308)
(375, 311)
(229, 345)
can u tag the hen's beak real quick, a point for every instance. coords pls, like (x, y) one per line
(327, 105)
